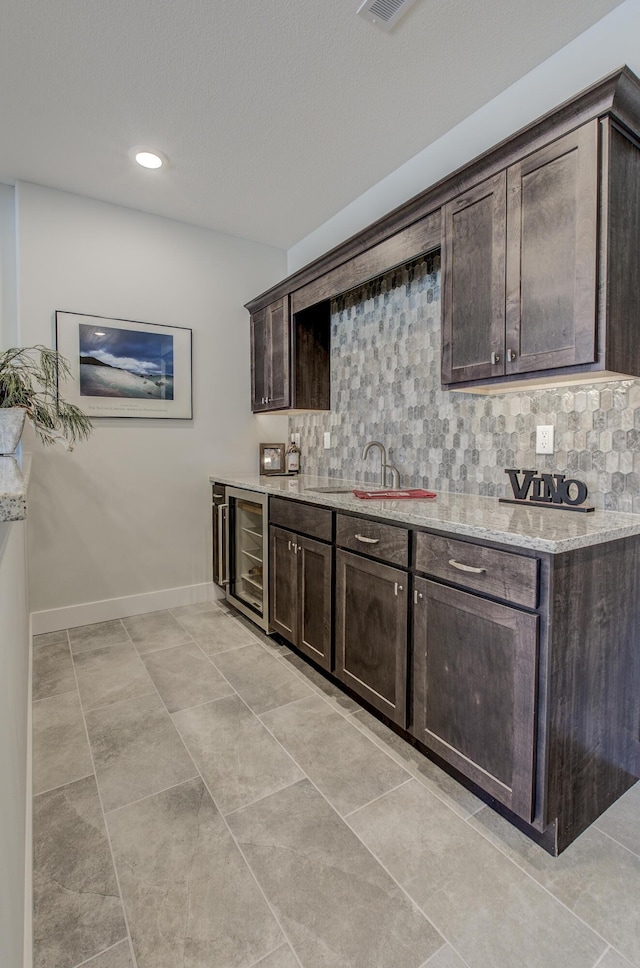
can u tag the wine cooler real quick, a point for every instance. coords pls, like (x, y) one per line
(247, 561)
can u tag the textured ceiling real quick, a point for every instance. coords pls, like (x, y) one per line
(274, 115)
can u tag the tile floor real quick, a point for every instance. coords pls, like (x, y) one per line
(205, 799)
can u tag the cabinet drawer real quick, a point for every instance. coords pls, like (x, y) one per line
(304, 518)
(512, 578)
(383, 541)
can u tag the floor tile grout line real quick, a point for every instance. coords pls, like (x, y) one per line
(285, 705)
(602, 957)
(343, 820)
(60, 786)
(250, 869)
(616, 841)
(252, 803)
(87, 961)
(345, 816)
(431, 958)
(543, 887)
(118, 702)
(107, 834)
(55, 695)
(148, 796)
(377, 742)
(261, 961)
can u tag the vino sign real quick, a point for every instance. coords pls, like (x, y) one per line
(546, 490)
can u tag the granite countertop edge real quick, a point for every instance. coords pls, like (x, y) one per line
(14, 484)
(536, 529)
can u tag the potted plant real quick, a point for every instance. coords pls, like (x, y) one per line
(29, 378)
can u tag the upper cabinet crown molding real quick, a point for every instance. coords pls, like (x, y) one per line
(540, 239)
(617, 94)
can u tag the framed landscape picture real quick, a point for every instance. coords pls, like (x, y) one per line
(121, 368)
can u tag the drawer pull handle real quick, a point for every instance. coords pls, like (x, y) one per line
(397, 588)
(365, 540)
(470, 568)
(416, 596)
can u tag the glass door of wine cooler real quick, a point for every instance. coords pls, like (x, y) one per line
(247, 554)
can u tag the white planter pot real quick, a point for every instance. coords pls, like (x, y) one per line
(11, 427)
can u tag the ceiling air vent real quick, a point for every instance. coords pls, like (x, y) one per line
(384, 13)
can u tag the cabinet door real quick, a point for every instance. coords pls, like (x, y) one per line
(283, 583)
(474, 689)
(473, 291)
(279, 355)
(552, 224)
(371, 632)
(314, 600)
(259, 361)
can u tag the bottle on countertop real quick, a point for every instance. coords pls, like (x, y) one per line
(293, 457)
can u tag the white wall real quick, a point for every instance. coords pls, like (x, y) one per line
(7, 267)
(128, 512)
(610, 43)
(14, 701)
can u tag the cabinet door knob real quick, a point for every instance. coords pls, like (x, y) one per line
(459, 565)
(495, 358)
(511, 355)
(397, 588)
(416, 596)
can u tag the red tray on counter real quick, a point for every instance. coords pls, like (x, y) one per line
(394, 494)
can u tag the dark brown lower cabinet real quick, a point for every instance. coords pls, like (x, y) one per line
(301, 573)
(474, 689)
(371, 632)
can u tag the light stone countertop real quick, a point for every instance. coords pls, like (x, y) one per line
(14, 481)
(539, 529)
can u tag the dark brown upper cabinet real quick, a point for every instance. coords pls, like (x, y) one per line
(519, 266)
(538, 276)
(290, 357)
(540, 238)
(270, 357)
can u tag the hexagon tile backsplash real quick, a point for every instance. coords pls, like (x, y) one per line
(385, 385)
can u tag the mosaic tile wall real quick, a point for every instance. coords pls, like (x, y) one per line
(385, 385)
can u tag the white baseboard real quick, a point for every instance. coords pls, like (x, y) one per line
(72, 616)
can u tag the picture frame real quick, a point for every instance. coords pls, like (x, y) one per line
(272, 459)
(125, 368)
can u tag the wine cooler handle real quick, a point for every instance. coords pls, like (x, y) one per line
(224, 580)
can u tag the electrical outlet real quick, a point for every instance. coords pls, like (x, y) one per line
(327, 440)
(544, 439)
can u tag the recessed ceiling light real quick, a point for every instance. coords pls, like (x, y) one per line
(147, 158)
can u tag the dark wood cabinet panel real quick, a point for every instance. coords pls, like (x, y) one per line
(500, 574)
(519, 266)
(290, 364)
(371, 632)
(474, 689)
(308, 519)
(552, 234)
(300, 592)
(270, 357)
(383, 541)
(473, 273)
(283, 584)
(315, 564)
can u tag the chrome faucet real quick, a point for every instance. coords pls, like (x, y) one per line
(384, 467)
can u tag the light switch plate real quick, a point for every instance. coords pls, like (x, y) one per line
(544, 439)
(327, 440)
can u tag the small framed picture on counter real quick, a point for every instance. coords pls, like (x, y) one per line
(272, 459)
